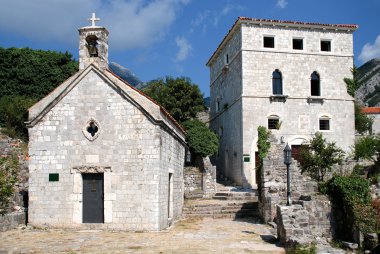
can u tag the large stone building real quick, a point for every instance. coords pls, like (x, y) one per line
(102, 152)
(286, 76)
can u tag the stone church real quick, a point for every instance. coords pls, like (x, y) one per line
(102, 154)
(286, 76)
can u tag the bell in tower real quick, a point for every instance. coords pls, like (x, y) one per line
(93, 45)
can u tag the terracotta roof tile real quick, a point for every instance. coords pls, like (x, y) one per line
(371, 110)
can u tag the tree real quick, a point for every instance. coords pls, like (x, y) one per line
(362, 122)
(179, 96)
(367, 147)
(201, 140)
(318, 158)
(14, 114)
(33, 73)
(8, 178)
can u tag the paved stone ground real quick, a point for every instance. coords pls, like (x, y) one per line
(188, 236)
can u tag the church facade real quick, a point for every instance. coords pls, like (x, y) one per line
(286, 76)
(102, 154)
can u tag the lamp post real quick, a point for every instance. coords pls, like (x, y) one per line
(287, 162)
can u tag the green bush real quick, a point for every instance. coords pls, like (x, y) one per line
(302, 249)
(202, 141)
(351, 198)
(8, 178)
(366, 147)
(318, 158)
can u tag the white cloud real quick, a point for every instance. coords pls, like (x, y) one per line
(132, 23)
(282, 3)
(227, 9)
(184, 49)
(370, 51)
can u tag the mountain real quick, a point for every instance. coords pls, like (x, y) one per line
(126, 75)
(368, 92)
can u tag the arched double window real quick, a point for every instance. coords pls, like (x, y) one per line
(277, 82)
(315, 84)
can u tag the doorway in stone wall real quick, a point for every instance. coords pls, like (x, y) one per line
(93, 198)
(170, 196)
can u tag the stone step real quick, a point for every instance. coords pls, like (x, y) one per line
(220, 209)
(247, 196)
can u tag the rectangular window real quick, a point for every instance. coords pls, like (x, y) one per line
(325, 45)
(298, 44)
(273, 123)
(324, 124)
(268, 42)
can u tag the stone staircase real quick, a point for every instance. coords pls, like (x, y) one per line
(228, 202)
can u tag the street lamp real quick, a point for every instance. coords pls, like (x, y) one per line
(287, 162)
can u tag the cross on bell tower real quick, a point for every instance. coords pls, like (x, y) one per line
(93, 19)
(93, 45)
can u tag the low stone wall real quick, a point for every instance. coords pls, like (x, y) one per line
(305, 222)
(193, 182)
(11, 221)
(200, 182)
(19, 202)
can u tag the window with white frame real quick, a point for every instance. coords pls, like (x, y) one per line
(268, 41)
(298, 43)
(326, 45)
(324, 123)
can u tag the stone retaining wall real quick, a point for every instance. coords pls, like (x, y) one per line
(305, 222)
(19, 202)
(200, 182)
(11, 221)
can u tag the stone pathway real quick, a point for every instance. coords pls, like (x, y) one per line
(195, 235)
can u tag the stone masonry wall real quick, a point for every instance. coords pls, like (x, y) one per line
(200, 182)
(305, 222)
(18, 206)
(273, 181)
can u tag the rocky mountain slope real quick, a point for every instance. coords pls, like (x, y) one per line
(369, 79)
(126, 75)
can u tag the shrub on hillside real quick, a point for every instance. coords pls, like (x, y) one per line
(8, 178)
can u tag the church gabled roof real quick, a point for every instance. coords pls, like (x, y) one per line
(148, 106)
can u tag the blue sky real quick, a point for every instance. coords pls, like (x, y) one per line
(172, 37)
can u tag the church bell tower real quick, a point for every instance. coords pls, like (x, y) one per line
(93, 45)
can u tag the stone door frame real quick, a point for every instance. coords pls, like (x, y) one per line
(77, 196)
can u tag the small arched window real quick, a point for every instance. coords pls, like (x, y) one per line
(277, 82)
(274, 122)
(315, 84)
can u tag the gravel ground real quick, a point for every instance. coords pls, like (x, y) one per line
(204, 235)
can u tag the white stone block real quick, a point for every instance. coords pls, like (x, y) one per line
(94, 158)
